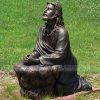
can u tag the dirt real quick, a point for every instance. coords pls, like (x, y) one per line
(9, 87)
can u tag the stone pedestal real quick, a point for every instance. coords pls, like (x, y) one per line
(35, 80)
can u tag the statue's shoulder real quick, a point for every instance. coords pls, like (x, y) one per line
(62, 31)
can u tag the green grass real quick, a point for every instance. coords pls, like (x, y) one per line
(20, 21)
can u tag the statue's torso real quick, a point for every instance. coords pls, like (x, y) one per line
(51, 38)
(47, 41)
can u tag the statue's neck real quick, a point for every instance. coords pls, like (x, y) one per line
(50, 24)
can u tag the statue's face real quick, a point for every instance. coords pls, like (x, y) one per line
(49, 12)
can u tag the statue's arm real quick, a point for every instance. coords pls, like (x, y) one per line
(32, 58)
(60, 50)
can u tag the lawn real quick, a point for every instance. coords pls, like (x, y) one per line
(19, 25)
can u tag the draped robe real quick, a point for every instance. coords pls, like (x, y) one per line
(54, 49)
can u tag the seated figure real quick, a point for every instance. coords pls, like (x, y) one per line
(51, 67)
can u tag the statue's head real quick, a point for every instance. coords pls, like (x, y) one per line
(52, 11)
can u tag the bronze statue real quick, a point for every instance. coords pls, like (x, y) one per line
(51, 68)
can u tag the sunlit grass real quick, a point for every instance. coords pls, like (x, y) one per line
(20, 21)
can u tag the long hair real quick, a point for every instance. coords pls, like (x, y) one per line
(58, 13)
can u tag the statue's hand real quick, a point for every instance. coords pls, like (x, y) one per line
(25, 59)
(30, 60)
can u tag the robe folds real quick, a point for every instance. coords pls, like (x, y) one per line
(54, 49)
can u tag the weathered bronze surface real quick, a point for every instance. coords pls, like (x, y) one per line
(51, 68)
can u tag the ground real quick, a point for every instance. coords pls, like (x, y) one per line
(10, 90)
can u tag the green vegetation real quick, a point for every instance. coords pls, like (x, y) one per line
(19, 25)
(20, 21)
